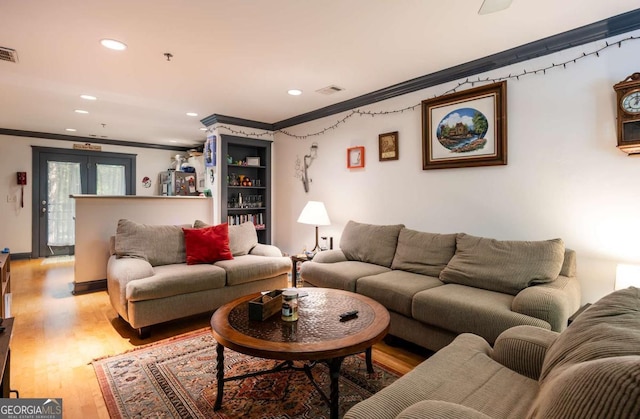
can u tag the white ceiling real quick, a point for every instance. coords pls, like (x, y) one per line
(239, 57)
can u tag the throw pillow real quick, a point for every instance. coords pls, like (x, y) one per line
(207, 245)
(157, 244)
(242, 238)
(423, 253)
(370, 243)
(503, 266)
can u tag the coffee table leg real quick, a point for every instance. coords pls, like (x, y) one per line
(219, 376)
(334, 372)
(368, 360)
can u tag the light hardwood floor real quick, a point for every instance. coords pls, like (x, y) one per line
(56, 335)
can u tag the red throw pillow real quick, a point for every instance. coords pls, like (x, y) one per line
(207, 245)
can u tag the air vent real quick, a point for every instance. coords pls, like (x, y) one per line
(329, 90)
(8, 54)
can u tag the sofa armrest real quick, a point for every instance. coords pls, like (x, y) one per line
(553, 302)
(437, 409)
(330, 256)
(523, 348)
(265, 250)
(121, 271)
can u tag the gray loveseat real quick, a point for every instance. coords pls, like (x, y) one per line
(590, 370)
(149, 281)
(437, 286)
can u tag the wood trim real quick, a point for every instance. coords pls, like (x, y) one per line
(93, 140)
(89, 286)
(224, 119)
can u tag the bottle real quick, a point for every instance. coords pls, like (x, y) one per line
(239, 200)
(289, 306)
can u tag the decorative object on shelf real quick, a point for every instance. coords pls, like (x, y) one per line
(210, 150)
(627, 276)
(229, 159)
(146, 182)
(465, 129)
(314, 213)
(388, 146)
(253, 161)
(628, 112)
(355, 157)
(308, 159)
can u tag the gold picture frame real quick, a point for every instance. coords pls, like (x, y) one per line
(465, 129)
(388, 146)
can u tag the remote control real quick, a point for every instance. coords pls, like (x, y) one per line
(348, 315)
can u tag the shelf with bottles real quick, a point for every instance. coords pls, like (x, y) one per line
(246, 201)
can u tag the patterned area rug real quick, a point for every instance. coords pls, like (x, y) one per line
(177, 378)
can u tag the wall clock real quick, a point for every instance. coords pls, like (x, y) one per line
(628, 110)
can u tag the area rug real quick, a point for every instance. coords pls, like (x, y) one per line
(177, 378)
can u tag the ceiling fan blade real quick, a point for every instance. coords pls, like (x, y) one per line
(492, 6)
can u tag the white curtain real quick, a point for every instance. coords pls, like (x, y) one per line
(64, 180)
(110, 180)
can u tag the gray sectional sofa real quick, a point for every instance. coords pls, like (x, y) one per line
(149, 281)
(437, 286)
(590, 370)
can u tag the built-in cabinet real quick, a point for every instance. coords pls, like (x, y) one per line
(5, 281)
(246, 183)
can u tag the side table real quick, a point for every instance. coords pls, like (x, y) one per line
(295, 259)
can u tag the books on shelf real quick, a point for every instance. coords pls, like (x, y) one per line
(257, 219)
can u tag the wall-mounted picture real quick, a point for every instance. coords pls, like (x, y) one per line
(465, 129)
(210, 151)
(388, 146)
(355, 157)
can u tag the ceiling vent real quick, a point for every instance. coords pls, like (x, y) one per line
(8, 54)
(329, 90)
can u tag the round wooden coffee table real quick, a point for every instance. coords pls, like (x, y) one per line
(317, 335)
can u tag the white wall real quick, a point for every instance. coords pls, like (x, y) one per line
(15, 156)
(565, 177)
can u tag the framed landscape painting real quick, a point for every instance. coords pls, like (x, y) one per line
(465, 129)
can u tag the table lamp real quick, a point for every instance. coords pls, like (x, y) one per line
(627, 276)
(316, 214)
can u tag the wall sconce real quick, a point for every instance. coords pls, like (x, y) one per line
(627, 276)
(308, 159)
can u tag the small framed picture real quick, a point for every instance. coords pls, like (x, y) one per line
(388, 146)
(253, 161)
(355, 157)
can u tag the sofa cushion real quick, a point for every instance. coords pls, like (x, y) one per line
(242, 237)
(249, 268)
(609, 328)
(467, 309)
(338, 275)
(370, 243)
(395, 289)
(601, 388)
(503, 266)
(175, 279)
(157, 244)
(423, 253)
(207, 245)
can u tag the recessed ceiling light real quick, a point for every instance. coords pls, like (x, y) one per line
(113, 44)
(71, 129)
(294, 92)
(203, 129)
(88, 97)
(192, 114)
(80, 111)
(173, 141)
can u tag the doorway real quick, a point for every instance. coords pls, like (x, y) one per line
(60, 173)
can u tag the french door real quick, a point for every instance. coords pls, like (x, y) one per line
(60, 173)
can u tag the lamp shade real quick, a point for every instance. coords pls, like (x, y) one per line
(627, 276)
(314, 213)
